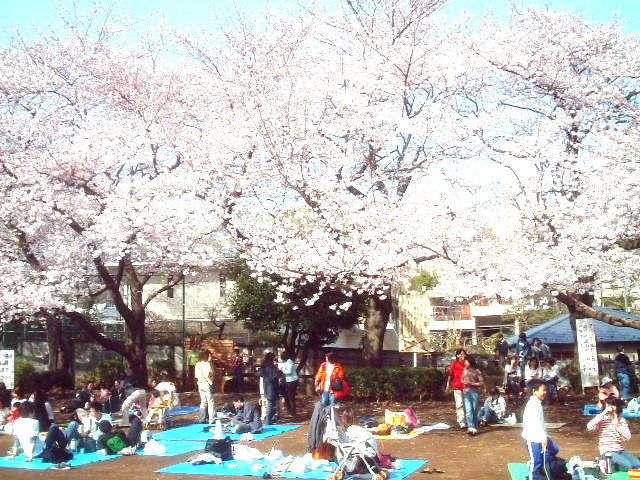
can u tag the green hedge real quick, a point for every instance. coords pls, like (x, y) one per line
(396, 383)
(28, 380)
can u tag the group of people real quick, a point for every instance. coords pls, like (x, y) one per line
(36, 434)
(466, 381)
(276, 380)
(612, 429)
(531, 361)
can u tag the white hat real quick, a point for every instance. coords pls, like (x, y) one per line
(605, 380)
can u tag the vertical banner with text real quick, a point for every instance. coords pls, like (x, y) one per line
(7, 367)
(587, 352)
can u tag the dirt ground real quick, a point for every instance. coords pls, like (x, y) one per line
(483, 457)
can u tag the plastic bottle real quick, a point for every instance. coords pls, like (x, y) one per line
(73, 445)
(218, 434)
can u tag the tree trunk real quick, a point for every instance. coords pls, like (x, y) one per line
(375, 326)
(134, 350)
(60, 350)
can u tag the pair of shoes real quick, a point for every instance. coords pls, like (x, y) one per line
(61, 466)
(472, 431)
(128, 451)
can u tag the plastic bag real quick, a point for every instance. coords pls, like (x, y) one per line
(395, 418)
(153, 447)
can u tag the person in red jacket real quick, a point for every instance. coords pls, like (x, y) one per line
(330, 382)
(455, 380)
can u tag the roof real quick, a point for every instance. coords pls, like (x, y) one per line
(558, 330)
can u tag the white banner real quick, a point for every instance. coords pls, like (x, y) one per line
(7, 367)
(587, 352)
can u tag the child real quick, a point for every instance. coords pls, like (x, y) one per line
(512, 377)
(159, 402)
(607, 389)
(551, 374)
(532, 371)
(539, 446)
(613, 431)
(112, 442)
(494, 408)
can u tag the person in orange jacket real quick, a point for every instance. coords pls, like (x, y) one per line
(330, 381)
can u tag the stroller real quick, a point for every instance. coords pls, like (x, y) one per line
(357, 456)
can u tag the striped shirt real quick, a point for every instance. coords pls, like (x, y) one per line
(610, 435)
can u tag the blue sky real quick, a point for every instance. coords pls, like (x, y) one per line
(27, 14)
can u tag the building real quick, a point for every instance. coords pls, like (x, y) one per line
(557, 334)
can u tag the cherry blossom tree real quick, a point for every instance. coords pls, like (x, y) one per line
(558, 112)
(347, 122)
(101, 182)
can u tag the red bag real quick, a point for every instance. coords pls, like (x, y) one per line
(346, 390)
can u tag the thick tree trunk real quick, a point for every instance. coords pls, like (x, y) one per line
(375, 326)
(60, 351)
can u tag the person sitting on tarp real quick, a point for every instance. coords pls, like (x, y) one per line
(247, 418)
(112, 442)
(613, 432)
(26, 430)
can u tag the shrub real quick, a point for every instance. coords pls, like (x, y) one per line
(57, 379)
(395, 383)
(24, 375)
(161, 370)
(28, 380)
(571, 371)
(104, 374)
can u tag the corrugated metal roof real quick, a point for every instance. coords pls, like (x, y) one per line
(558, 330)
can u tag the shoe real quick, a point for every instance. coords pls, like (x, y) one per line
(473, 432)
(61, 466)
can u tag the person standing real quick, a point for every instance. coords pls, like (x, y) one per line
(534, 432)
(623, 372)
(204, 379)
(135, 391)
(238, 370)
(289, 369)
(454, 380)
(270, 376)
(501, 349)
(329, 380)
(472, 383)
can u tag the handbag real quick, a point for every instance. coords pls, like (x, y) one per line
(220, 448)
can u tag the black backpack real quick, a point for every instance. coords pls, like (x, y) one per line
(220, 448)
(557, 469)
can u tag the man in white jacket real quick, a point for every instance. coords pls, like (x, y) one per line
(533, 430)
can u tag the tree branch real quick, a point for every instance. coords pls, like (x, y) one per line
(82, 322)
(166, 287)
(576, 305)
